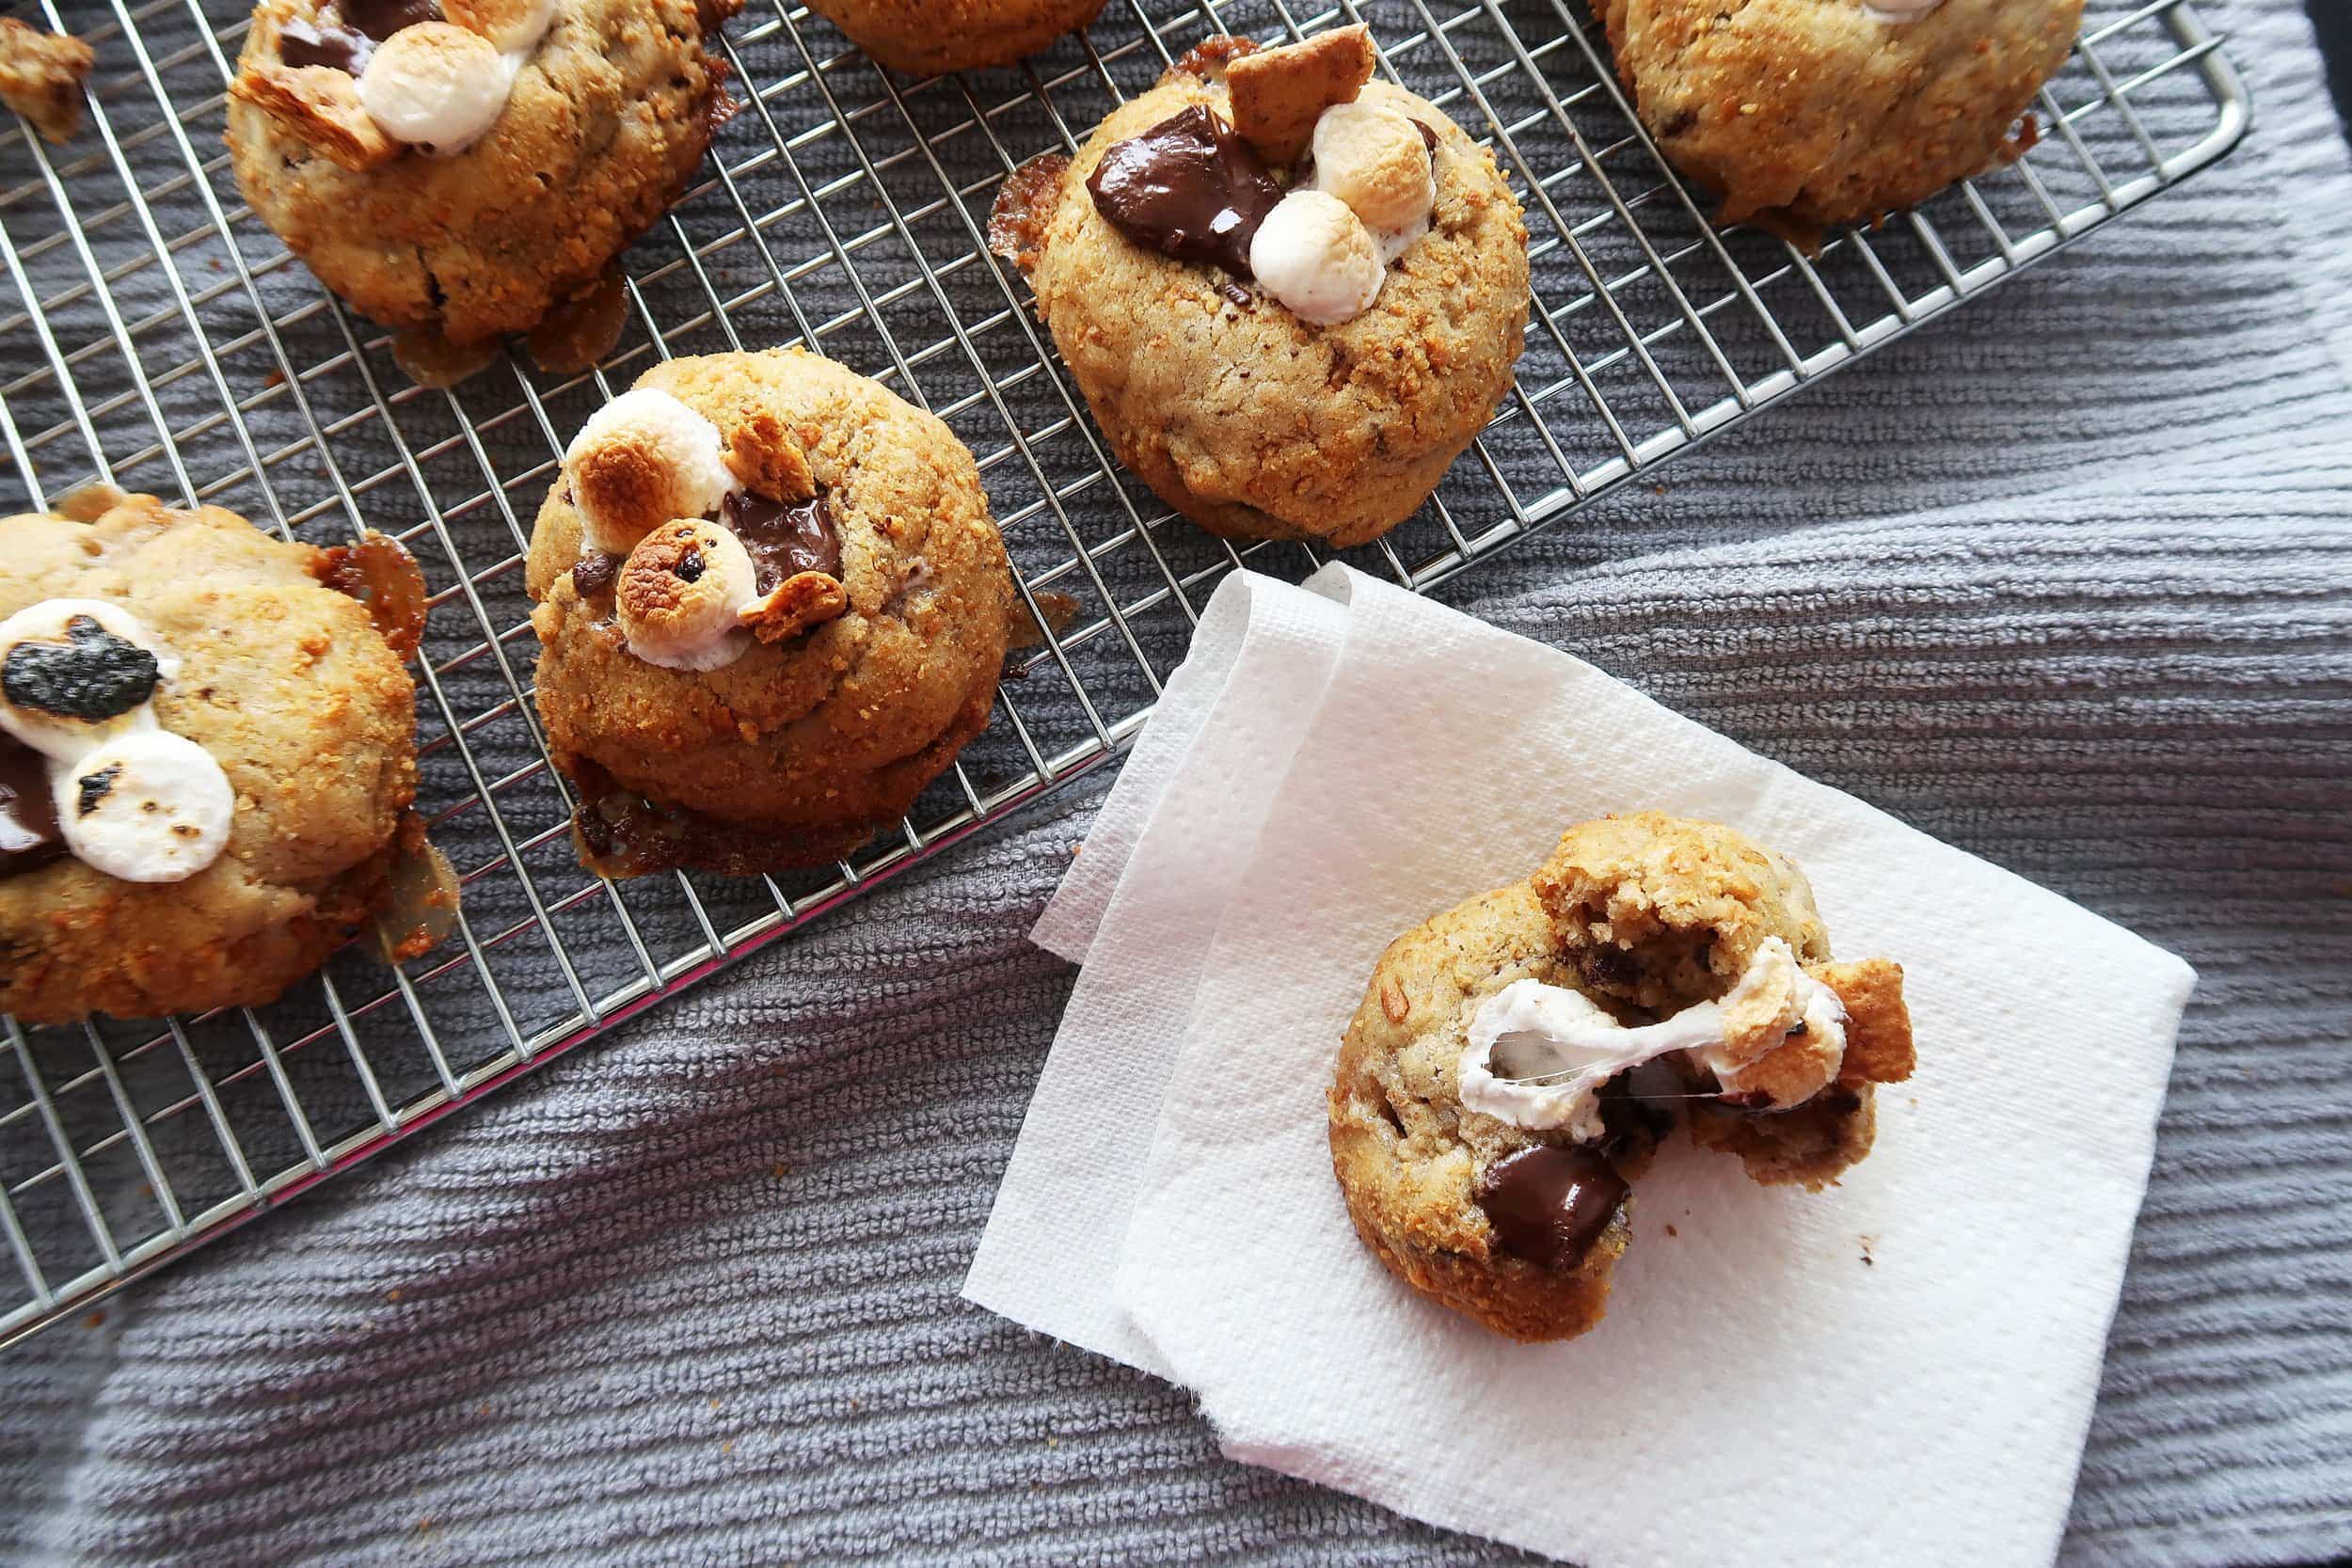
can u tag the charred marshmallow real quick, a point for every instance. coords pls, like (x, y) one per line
(643, 459)
(147, 806)
(681, 596)
(73, 671)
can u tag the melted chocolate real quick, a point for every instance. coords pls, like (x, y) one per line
(783, 540)
(92, 675)
(1187, 187)
(1427, 135)
(28, 814)
(594, 573)
(346, 33)
(1550, 1205)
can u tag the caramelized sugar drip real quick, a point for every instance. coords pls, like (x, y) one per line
(1024, 206)
(582, 331)
(421, 910)
(435, 363)
(1058, 609)
(620, 834)
(379, 572)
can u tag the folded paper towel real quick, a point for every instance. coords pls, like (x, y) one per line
(1901, 1370)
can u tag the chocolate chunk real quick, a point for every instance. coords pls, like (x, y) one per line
(1238, 295)
(592, 573)
(1608, 966)
(1550, 1205)
(783, 540)
(690, 565)
(93, 675)
(324, 42)
(1187, 187)
(381, 19)
(28, 814)
(1427, 135)
(90, 789)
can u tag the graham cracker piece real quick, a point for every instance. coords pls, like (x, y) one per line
(1278, 94)
(765, 455)
(1878, 1023)
(801, 601)
(41, 77)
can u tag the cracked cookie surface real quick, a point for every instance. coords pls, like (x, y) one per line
(293, 687)
(928, 38)
(1242, 416)
(603, 127)
(800, 748)
(1805, 113)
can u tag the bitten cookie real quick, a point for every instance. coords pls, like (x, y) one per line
(1292, 295)
(207, 754)
(1807, 113)
(929, 38)
(772, 607)
(467, 166)
(1515, 1060)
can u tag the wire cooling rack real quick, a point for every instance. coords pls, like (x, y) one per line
(153, 335)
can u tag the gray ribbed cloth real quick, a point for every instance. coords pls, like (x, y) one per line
(2066, 581)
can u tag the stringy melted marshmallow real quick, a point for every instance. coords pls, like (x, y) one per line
(1538, 1054)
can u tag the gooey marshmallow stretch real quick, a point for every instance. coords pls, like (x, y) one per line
(77, 685)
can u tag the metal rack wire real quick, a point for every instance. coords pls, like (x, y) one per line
(159, 338)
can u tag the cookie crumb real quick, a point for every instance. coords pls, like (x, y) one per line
(41, 77)
(1278, 94)
(1868, 1261)
(1672, 1231)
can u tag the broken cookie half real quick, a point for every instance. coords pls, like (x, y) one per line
(1517, 1060)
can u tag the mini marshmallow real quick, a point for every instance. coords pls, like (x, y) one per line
(681, 594)
(640, 461)
(1316, 257)
(1375, 160)
(146, 807)
(511, 27)
(74, 671)
(434, 86)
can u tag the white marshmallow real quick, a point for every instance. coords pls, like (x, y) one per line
(695, 625)
(1373, 159)
(1316, 257)
(63, 737)
(513, 28)
(643, 459)
(434, 86)
(147, 807)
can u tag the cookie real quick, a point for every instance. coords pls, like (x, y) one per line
(468, 171)
(1281, 350)
(1499, 1089)
(930, 38)
(1806, 113)
(207, 755)
(772, 607)
(41, 77)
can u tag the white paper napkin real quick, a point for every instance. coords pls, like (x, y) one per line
(1900, 1370)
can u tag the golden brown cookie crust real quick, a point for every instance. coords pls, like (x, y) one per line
(1408, 1155)
(929, 38)
(1252, 422)
(308, 710)
(813, 741)
(41, 77)
(602, 130)
(1815, 112)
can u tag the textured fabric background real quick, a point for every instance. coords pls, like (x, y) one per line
(2066, 581)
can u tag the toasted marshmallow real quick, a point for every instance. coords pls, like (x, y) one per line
(640, 461)
(434, 86)
(147, 807)
(681, 595)
(74, 671)
(511, 27)
(1314, 255)
(1373, 159)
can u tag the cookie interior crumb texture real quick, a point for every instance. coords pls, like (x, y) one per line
(928, 38)
(41, 77)
(1681, 905)
(1238, 414)
(604, 124)
(1806, 113)
(295, 690)
(797, 750)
